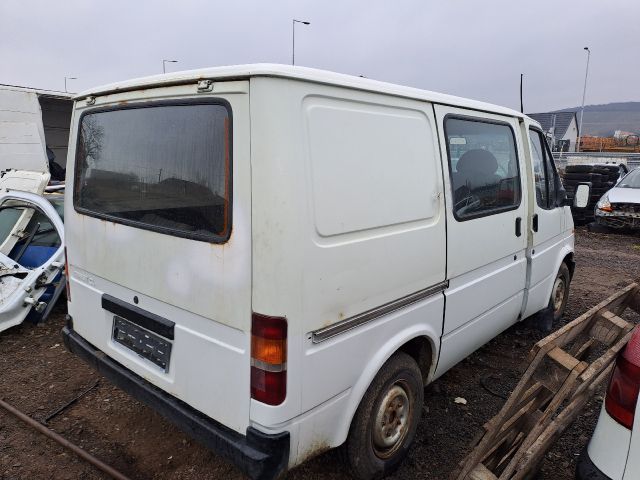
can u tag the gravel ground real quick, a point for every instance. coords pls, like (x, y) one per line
(39, 375)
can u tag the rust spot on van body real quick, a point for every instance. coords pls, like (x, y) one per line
(316, 448)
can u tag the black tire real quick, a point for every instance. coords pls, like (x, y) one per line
(398, 383)
(583, 177)
(563, 278)
(579, 168)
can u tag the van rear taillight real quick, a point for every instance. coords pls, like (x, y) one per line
(66, 275)
(268, 359)
(624, 386)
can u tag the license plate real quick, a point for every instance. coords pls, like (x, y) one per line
(147, 344)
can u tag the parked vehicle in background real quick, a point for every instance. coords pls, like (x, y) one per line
(601, 177)
(620, 207)
(260, 252)
(34, 131)
(33, 121)
(614, 450)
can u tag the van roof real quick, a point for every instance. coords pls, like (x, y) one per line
(38, 91)
(239, 72)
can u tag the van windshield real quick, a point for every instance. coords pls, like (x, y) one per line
(163, 167)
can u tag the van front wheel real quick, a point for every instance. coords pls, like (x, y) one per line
(560, 292)
(386, 420)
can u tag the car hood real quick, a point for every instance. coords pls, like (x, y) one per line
(624, 195)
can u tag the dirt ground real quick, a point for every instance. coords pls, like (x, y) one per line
(39, 375)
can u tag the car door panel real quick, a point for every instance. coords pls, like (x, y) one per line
(22, 287)
(547, 237)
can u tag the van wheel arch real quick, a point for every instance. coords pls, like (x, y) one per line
(420, 347)
(384, 425)
(421, 350)
(570, 262)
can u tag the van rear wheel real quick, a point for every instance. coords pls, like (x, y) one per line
(560, 292)
(386, 420)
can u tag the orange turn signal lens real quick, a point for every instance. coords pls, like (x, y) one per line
(268, 359)
(268, 350)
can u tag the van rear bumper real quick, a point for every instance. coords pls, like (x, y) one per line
(259, 455)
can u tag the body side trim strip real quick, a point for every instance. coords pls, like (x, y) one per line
(323, 334)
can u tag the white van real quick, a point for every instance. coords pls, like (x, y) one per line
(278, 259)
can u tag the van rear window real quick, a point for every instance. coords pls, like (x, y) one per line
(163, 167)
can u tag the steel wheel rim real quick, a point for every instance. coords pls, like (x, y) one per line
(391, 421)
(559, 289)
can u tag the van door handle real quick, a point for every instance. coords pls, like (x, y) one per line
(535, 222)
(518, 226)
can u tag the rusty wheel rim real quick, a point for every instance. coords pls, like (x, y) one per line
(392, 421)
(559, 290)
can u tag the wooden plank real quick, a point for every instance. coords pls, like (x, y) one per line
(615, 319)
(481, 473)
(597, 366)
(572, 329)
(517, 438)
(581, 349)
(553, 371)
(537, 450)
(633, 301)
(603, 330)
(563, 359)
(512, 429)
(545, 419)
(485, 443)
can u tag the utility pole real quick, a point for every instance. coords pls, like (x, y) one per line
(584, 93)
(521, 104)
(293, 38)
(65, 82)
(164, 64)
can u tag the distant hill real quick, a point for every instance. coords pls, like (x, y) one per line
(603, 120)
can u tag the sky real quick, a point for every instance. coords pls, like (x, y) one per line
(470, 48)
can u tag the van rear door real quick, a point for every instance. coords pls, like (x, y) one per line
(158, 238)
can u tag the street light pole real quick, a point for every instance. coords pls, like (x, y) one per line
(584, 93)
(164, 64)
(65, 82)
(293, 38)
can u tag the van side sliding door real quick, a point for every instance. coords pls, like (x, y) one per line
(486, 228)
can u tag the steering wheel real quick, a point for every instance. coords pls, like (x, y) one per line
(467, 204)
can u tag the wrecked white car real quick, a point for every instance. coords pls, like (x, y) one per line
(31, 257)
(34, 129)
(620, 207)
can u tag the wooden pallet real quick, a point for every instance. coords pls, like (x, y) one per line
(554, 389)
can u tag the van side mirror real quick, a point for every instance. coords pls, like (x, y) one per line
(581, 198)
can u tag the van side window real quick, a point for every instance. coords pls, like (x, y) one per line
(543, 170)
(483, 163)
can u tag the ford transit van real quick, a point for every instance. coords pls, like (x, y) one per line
(278, 259)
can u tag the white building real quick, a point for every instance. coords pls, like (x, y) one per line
(561, 127)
